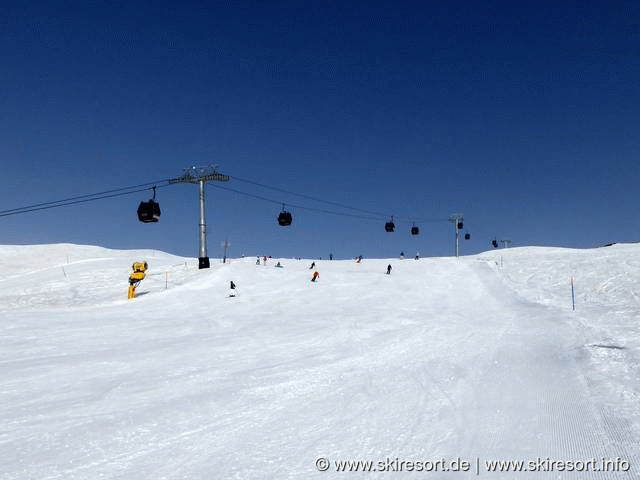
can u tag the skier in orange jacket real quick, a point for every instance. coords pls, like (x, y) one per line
(316, 275)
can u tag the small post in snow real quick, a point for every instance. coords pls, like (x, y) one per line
(225, 244)
(573, 297)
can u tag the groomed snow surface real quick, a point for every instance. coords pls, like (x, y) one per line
(445, 360)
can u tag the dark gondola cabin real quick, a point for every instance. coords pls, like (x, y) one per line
(389, 227)
(415, 231)
(149, 212)
(460, 225)
(467, 236)
(284, 219)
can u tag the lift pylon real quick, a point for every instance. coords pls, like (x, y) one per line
(201, 175)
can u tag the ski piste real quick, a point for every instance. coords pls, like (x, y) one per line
(480, 358)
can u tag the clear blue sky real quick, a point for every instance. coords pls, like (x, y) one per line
(521, 116)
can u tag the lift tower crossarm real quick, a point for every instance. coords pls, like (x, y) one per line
(205, 178)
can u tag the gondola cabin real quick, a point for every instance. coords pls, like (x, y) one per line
(460, 225)
(467, 236)
(149, 212)
(389, 227)
(415, 231)
(284, 219)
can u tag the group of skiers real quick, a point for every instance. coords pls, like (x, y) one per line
(314, 278)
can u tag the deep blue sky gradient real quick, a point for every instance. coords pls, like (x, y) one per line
(522, 116)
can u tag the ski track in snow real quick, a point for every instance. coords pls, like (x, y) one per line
(478, 358)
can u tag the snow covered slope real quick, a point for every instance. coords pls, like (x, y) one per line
(447, 363)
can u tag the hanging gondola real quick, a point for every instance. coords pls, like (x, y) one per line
(415, 230)
(389, 226)
(494, 242)
(467, 236)
(285, 218)
(149, 212)
(460, 225)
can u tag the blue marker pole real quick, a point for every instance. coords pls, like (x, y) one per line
(573, 296)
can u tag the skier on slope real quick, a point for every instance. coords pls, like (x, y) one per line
(389, 269)
(232, 289)
(316, 276)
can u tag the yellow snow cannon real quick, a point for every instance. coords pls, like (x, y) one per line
(138, 274)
